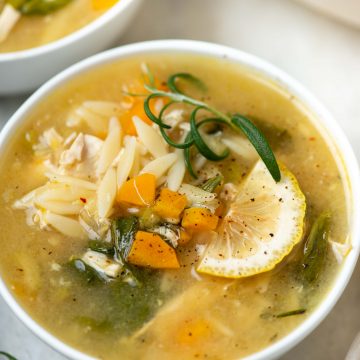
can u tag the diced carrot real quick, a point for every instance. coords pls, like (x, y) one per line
(185, 237)
(102, 4)
(198, 219)
(137, 106)
(139, 190)
(136, 110)
(170, 204)
(149, 249)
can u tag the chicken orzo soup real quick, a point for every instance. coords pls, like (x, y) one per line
(171, 206)
(26, 24)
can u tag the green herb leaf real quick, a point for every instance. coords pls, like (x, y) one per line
(171, 83)
(259, 142)
(135, 305)
(211, 184)
(291, 313)
(7, 355)
(201, 145)
(102, 247)
(316, 248)
(150, 114)
(194, 137)
(123, 232)
(37, 7)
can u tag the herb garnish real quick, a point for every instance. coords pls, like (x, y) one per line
(195, 137)
(37, 7)
(291, 313)
(315, 248)
(7, 355)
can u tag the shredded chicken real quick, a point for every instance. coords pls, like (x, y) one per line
(74, 153)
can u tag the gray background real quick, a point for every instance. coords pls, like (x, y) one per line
(322, 54)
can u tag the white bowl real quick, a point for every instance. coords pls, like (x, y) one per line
(322, 120)
(24, 71)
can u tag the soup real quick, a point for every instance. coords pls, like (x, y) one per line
(178, 207)
(37, 23)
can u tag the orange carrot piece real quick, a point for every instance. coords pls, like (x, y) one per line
(198, 219)
(185, 237)
(139, 190)
(149, 249)
(170, 204)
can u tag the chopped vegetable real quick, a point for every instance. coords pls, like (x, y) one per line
(199, 219)
(38, 7)
(135, 305)
(315, 248)
(148, 218)
(199, 198)
(123, 233)
(195, 137)
(185, 237)
(126, 119)
(102, 247)
(291, 313)
(139, 190)
(151, 250)
(102, 264)
(170, 205)
(211, 184)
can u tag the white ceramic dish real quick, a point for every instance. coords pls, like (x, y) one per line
(322, 120)
(24, 71)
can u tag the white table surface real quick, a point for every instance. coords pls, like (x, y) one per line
(322, 54)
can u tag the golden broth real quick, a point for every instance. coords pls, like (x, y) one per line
(188, 316)
(37, 30)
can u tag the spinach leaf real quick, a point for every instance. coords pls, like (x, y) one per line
(101, 247)
(123, 233)
(316, 248)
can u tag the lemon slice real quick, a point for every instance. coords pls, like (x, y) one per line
(263, 224)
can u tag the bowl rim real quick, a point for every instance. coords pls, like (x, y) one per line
(322, 117)
(69, 39)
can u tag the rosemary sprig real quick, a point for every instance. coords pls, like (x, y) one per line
(235, 122)
(291, 313)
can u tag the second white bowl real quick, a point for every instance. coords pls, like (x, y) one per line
(24, 71)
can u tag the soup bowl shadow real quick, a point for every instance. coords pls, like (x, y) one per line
(25, 70)
(322, 120)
